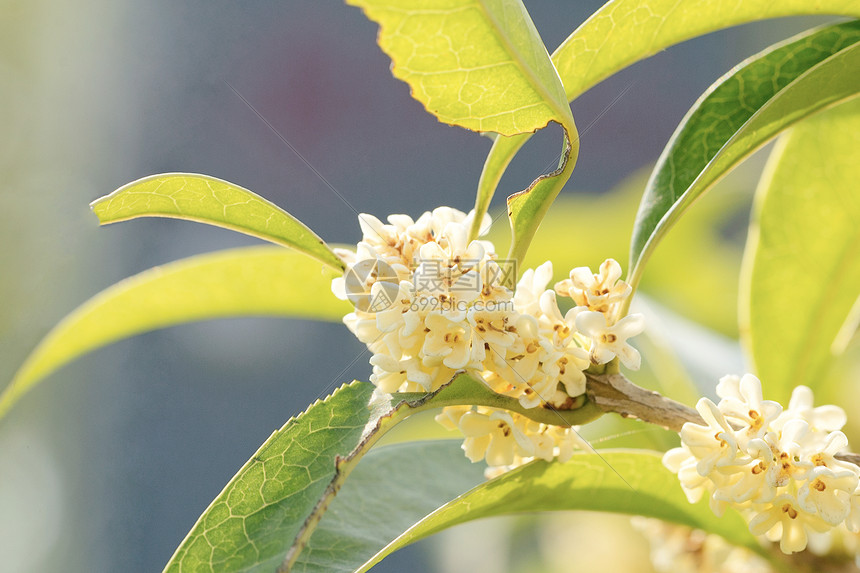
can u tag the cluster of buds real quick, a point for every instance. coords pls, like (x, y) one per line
(429, 303)
(507, 439)
(777, 467)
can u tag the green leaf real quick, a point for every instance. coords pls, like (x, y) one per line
(391, 489)
(209, 200)
(801, 279)
(588, 482)
(744, 110)
(252, 523)
(501, 154)
(481, 64)
(478, 64)
(270, 510)
(268, 281)
(526, 209)
(623, 32)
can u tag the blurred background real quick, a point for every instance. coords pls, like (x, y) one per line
(106, 465)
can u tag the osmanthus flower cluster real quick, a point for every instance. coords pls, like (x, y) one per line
(777, 467)
(430, 303)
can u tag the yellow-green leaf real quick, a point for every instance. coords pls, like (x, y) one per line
(209, 200)
(634, 483)
(479, 64)
(624, 32)
(526, 209)
(801, 275)
(266, 281)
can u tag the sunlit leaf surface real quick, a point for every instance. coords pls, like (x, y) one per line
(267, 281)
(251, 524)
(802, 268)
(624, 32)
(479, 64)
(209, 200)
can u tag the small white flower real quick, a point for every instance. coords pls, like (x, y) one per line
(681, 462)
(747, 406)
(715, 444)
(821, 419)
(530, 288)
(550, 318)
(390, 374)
(495, 437)
(607, 341)
(450, 343)
(787, 520)
(827, 493)
(449, 417)
(852, 521)
(441, 216)
(824, 454)
(680, 549)
(375, 231)
(362, 326)
(571, 366)
(599, 292)
(396, 314)
(776, 467)
(785, 458)
(523, 357)
(729, 387)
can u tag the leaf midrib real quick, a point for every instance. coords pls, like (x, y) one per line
(563, 112)
(684, 201)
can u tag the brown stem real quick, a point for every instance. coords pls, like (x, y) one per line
(615, 393)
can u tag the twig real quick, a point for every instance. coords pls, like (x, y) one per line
(615, 393)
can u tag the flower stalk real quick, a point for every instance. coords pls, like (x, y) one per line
(614, 393)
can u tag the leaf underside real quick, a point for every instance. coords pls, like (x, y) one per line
(634, 483)
(276, 501)
(391, 489)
